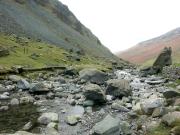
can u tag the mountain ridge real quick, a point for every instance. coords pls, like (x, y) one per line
(148, 50)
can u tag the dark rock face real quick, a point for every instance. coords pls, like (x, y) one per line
(3, 52)
(164, 59)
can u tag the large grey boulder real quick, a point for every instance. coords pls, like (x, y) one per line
(171, 118)
(108, 126)
(23, 84)
(148, 106)
(46, 118)
(93, 75)
(119, 107)
(118, 88)
(171, 93)
(39, 88)
(95, 93)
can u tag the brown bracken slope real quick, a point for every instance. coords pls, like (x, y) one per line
(148, 50)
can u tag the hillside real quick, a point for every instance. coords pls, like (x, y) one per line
(146, 52)
(49, 21)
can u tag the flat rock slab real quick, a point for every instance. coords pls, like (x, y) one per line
(108, 126)
(156, 82)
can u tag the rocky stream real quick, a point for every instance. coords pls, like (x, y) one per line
(90, 102)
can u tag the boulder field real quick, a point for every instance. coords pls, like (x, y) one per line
(92, 102)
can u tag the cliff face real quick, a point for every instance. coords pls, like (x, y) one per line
(147, 51)
(49, 21)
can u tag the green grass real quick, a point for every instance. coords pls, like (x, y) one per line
(174, 84)
(49, 55)
(163, 129)
(160, 130)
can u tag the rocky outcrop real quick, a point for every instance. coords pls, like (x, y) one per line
(164, 58)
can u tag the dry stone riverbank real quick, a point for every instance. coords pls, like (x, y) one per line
(90, 102)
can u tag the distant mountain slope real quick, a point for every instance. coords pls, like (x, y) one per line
(50, 21)
(146, 52)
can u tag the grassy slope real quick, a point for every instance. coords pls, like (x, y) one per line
(53, 23)
(49, 55)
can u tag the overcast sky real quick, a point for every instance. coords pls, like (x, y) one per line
(120, 24)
